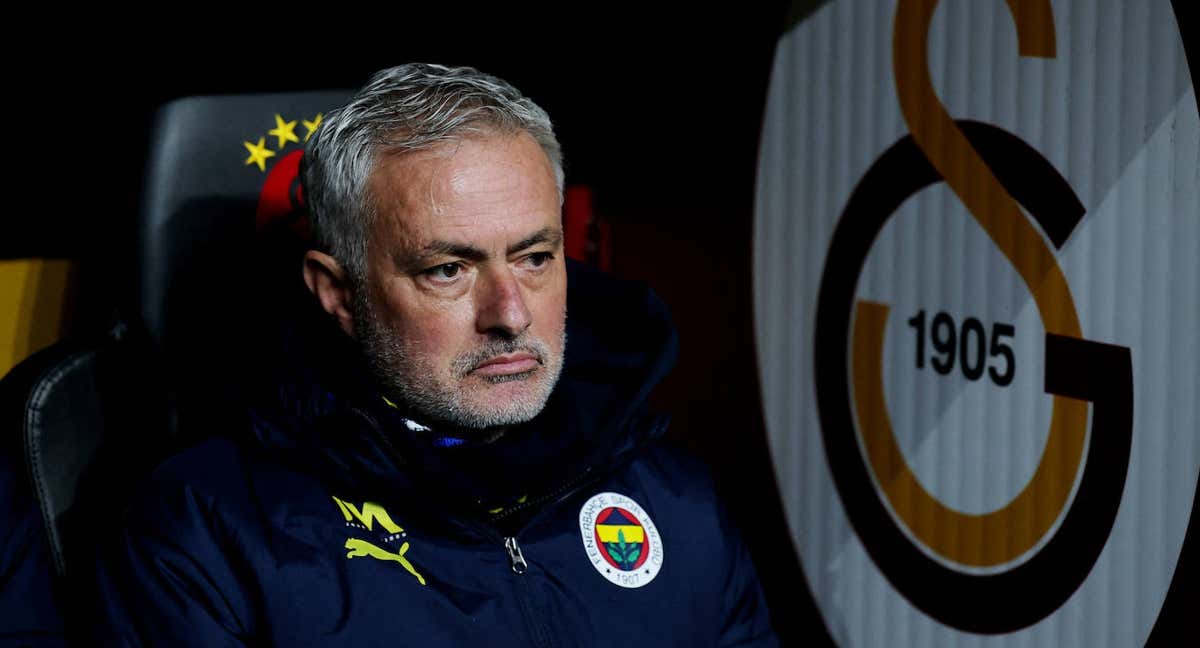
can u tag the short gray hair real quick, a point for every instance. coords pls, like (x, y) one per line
(402, 109)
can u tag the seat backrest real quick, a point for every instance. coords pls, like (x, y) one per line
(221, 178)
(89, 418)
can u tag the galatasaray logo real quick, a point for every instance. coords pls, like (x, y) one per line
(621, 540)
(974, 285)
(281, 198)
(1029, 555)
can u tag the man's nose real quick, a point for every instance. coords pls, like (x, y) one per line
(501, 305)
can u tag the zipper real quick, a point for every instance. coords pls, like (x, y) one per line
(586, 478)
(516, 559)
(537, 627)
(562, 493)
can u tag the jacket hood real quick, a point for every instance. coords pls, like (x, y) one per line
(319, 406)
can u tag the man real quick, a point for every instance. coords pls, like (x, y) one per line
(437, 465)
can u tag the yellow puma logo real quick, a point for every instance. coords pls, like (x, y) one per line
(359, 547)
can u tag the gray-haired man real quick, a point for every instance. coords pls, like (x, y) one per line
(435, 465)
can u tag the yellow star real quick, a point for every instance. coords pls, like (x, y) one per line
(311, 126)
(284, 131)
(258, 153)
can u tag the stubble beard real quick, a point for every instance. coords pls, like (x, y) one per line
(410, 379)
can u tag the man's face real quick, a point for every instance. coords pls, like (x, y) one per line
(463, 312)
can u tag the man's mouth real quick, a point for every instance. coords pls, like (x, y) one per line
(507, 364)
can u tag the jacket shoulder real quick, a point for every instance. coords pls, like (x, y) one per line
(214, 468)
(678, 488)
(676, 469)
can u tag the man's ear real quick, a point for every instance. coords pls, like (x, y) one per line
(330, 283)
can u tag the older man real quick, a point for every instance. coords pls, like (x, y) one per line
(437, 466)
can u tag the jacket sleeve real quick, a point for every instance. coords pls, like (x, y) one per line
(745, 618)
(171, 576)
(29, 613)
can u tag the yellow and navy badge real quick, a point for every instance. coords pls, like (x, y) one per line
(621, 540)
(389, 544)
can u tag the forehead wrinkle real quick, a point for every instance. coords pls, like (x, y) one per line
(410, 185)
(417, 185)
(418, 167)
(431, 195)
(438, 156)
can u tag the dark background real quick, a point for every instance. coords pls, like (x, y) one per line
(658, 111)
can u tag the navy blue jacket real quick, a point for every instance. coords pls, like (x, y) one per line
(342, 521)
(29, 613)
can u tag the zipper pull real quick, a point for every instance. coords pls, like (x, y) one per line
(515, 558)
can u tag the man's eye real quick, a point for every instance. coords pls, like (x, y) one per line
(444, 272)
(539, 259)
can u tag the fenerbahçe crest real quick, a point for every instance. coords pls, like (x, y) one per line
(621, 540)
